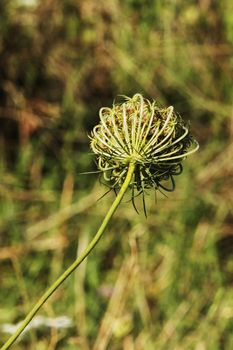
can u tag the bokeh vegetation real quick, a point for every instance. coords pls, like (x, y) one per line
(164, 282)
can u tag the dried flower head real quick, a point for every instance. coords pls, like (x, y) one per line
(137, 131)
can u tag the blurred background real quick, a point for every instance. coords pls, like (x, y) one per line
(162, 282)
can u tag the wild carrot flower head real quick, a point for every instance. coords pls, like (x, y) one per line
(137, 131)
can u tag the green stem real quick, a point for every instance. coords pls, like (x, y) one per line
(75, 264)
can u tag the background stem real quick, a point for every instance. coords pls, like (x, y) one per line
(75, 264)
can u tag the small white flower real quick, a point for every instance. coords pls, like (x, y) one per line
(39, 322)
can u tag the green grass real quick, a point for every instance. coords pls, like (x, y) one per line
(164, 282)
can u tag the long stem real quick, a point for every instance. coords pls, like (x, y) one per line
(75, 264)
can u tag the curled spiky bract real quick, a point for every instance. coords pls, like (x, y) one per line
(137, 131)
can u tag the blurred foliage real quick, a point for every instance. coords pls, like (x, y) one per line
(164, 282)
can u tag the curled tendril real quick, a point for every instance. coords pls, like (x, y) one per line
(137, 131)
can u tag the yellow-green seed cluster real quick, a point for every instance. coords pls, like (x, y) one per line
(138, 131)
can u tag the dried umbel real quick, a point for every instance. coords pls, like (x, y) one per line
(137, 131)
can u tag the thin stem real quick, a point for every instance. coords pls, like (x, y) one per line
(76, 263)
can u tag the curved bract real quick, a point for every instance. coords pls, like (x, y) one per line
(137, 131)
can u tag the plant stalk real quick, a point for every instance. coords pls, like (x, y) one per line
(75, 264)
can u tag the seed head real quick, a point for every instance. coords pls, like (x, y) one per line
(137, 131)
